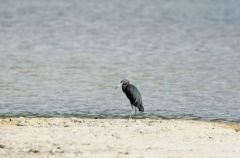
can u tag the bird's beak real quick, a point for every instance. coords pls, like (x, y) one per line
(118, 85)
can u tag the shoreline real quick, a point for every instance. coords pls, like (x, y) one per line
(82, 137)
(30, 121)
(106, 116)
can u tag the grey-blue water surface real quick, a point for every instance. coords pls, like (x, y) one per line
(63, 58)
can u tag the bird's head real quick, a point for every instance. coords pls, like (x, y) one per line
(123, 83)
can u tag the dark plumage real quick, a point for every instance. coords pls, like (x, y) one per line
(133, 95)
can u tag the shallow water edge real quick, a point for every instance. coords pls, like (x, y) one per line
(115, 117)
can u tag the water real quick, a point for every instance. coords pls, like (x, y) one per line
(63, 58)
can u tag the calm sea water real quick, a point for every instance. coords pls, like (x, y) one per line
(63, 58)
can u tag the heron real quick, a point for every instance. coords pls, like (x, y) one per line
(133, 95)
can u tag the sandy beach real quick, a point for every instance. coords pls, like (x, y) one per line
(77, 137)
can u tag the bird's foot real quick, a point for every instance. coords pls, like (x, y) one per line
(130, 118)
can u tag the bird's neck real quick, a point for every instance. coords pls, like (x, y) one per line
(124, 87)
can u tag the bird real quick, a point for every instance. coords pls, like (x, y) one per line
(133, 95)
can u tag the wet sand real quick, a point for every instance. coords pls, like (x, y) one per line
(77, 137)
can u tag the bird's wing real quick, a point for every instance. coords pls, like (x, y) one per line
(134, 95)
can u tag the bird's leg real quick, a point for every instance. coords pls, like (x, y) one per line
(135, 113)
(131, 114)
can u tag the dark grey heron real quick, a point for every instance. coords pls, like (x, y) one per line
(133, 95)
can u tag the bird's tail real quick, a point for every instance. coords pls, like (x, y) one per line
(141, 108)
